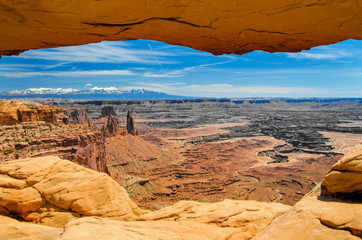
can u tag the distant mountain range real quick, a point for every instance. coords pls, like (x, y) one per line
(96, 93)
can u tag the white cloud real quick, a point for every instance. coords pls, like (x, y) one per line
(316, 56)
(88, 85)
(104, 89)
(183, 71)
(322, 53)
(44, 91)
(68, 73)
(103, 52)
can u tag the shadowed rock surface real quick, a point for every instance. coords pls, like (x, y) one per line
(215, 26)
(131, 129)
(111, 127)
(76, 116)
(108, 110)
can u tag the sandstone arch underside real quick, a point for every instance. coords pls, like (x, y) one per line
(235, 26)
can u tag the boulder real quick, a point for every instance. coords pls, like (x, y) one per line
(344, 180)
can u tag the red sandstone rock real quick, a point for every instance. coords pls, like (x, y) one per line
(216, 26)
(131, 129)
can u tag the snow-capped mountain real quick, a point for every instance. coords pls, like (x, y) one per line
(30, 91)
(107, 93)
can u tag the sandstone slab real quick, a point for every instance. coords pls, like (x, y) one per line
(52, 191)
(249, 216)
(317, 218)
(97, 228)
(13, 229)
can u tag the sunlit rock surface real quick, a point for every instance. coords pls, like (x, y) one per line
(334, 214)
(249, 216)
(216, 26)
(345, 178)
(56, 192)
(16, 112)
(314, 217)
(52, 191)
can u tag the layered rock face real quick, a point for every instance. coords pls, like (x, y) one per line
(15, 112)
(236, 27)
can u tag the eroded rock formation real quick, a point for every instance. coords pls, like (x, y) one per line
(318, 218)
(131, 129)
(52, 191)
(76, 116)
(111, 127)
(107, 110)
(55, 192)
(16, 112)
(214, 26)
(345, 178)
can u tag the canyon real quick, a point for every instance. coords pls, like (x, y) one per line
(70, 201)
(173, 167)
(109, 184)
(209, 150)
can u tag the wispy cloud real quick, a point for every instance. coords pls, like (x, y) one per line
(316, 56)
(322, 53)
(68, 73)
(181, 72)
(104, 52)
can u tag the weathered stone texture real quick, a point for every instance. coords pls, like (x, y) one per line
(215, 26)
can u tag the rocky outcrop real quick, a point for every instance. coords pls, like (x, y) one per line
(345, 178)
(76, 116)
(111, 127)
(107, 110)
(131, 129)
(236, 27)
(16, 112)
(56, 192)
(333, 213)
(317, 218)
(52, 191)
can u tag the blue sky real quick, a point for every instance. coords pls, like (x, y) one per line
(325, 71)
